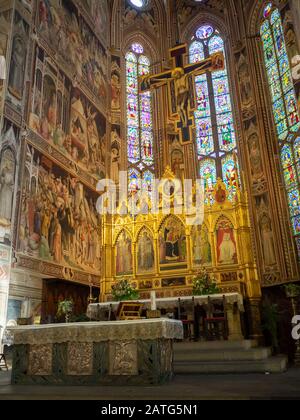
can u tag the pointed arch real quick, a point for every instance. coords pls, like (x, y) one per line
(224, 219)
(140, 231)
(122, 232)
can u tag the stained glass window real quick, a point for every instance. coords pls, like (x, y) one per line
(230, 174)
(208, 174)
(139, 123)
(215, 131)
(285, 109)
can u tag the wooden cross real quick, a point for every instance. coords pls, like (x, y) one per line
(181, 87)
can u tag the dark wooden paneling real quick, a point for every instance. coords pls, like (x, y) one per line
(55, 291)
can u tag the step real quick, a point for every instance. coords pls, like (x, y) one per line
(187, 346)
(276, 364)
(259, 353)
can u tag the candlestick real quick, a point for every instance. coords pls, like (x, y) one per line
(153, 301)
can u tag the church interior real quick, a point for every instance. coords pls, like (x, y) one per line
(115, 117)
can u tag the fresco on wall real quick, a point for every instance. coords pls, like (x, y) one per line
(172, 242)
(124, 261)
(98, 12)
(64, 117)
(145, 252)
(226, 244)
(18, 58)
(59, 221)
(201, 246)
(76, 45)
(4, 29)
(8, 159)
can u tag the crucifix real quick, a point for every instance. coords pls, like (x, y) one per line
(181, 87)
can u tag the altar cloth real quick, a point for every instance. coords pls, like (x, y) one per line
(96, 332)
(95, 353)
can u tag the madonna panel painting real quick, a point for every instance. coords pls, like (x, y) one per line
(172, 242)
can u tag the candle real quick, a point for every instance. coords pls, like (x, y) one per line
(153, 301)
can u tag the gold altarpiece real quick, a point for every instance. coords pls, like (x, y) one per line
(222, 244)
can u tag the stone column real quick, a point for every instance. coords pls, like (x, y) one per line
(234, 323)
(295, 6)
(5, 264)
(254, 313)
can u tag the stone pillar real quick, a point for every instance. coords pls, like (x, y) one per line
(234, 323)
(254, 314)
(295, 6)
(5, 264)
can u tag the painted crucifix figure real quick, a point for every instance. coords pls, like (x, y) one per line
(181, 85)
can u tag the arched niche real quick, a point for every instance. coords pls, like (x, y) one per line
(7, 182)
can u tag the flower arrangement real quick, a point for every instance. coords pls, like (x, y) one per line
(123, 291)
(203, 285)
(65, 308)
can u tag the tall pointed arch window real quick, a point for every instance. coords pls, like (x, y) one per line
(285, 110)
(139, 123)
(215, 131)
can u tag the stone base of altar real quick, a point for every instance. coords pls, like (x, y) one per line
(114, 353)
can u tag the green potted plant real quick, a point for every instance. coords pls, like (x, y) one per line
(203, 285)
(292, 290)
(270, 317)
(123, 291)
(65, 308)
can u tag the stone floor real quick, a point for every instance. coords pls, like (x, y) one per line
(193, 387)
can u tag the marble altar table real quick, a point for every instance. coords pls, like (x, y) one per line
(234, 308)
(104, 353)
